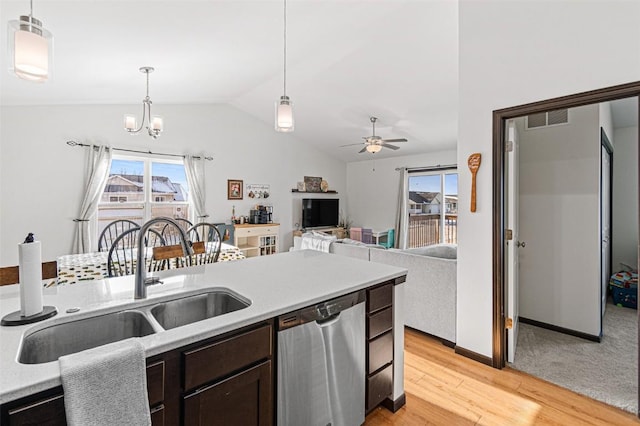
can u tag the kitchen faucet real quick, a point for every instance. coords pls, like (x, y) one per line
(141, 280)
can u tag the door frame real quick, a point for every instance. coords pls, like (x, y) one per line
(606, 144)
(500, 117)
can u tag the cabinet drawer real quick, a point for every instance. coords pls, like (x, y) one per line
(46, 412)
(380, 352)
(379, 387)
(157, 416)
(155, 383)
(380, 322)
(219, 359)
(380, 298)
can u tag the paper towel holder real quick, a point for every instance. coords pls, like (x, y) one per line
(15, 318)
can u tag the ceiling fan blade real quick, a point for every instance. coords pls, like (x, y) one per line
(362, 150)
(352, 144)
(394, 140)
(386, 145)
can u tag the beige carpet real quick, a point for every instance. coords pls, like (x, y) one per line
(605, 371)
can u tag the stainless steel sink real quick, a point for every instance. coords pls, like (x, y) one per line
(187, 310)
(51, 343)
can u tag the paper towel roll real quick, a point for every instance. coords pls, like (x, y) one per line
(30, 265)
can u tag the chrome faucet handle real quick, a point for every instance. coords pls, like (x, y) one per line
(152, 281)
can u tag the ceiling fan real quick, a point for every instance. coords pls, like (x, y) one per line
(375, 143)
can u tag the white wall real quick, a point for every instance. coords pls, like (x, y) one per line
(606, 120)
(43, 178)
(372, 187)
(512, 53)
(625, 201)
(559, 174)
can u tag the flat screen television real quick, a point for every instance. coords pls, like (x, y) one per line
(318, 212)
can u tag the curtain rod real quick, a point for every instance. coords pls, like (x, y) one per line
(197, 157)
(428, 169)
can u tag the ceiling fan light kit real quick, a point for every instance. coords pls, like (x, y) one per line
(373, 143)
(373, 148)
(284, 107)
(155, 123)
(30, 48)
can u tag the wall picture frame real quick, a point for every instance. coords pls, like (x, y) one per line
(234, 189)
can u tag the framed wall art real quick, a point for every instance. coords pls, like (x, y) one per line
(234, 189)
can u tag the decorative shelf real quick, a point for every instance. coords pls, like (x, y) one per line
(315, 192)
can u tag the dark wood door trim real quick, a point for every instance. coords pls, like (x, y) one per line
(499, 221)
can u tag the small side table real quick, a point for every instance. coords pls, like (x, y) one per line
(383, 238)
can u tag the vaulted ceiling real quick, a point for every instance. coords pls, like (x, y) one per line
(346, 61)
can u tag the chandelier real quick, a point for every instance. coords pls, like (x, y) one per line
(154, 124)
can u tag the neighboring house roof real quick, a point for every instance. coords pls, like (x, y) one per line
(424, 197)
(181, 194)
(159, 184)
(121, 180)
(451, 198)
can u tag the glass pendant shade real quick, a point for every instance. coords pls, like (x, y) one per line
(373, 148)
(30, 49)
(157, 124)
(284, 115)
(130, 123)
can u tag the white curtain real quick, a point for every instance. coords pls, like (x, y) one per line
(402, 224)
(194, 169)
(98, 173)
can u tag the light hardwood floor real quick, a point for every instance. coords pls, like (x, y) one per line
(443, 388)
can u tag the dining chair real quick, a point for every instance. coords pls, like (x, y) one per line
(121, 259)
(206, 237)
(171, 235)
(112, 231)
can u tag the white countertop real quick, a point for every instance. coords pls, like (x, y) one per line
(275, 285)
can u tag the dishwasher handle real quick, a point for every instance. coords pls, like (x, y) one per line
(329, 320)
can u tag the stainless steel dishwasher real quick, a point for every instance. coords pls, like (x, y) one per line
(321, 363)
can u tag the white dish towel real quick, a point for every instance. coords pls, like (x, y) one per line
(106, 385)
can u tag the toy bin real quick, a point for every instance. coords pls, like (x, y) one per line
(627, 297)
(624, 288)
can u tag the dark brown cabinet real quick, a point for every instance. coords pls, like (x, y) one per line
(223, 380)
(47, 408)
(379, 366)
(242, 399)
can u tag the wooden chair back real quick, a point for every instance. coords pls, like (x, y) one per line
(11, 274)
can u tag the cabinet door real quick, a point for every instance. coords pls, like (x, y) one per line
(244, 399)
(47, 412)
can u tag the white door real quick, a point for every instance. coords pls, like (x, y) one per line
(514, 244)
(605, 226)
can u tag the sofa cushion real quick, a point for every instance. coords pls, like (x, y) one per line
(444, 251)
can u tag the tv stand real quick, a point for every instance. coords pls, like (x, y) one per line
(339, 232)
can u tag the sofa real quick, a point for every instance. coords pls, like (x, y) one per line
(430, 290)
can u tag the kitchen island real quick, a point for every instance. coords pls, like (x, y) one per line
(274, 285)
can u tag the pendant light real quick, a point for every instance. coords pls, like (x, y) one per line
(154, 124)
(30, 48)
(284, 106)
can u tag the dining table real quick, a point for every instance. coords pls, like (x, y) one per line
(74, 268)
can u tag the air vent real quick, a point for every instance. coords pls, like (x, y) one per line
(551, 118)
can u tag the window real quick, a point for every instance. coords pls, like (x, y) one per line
(140, 188)
(433, 208)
